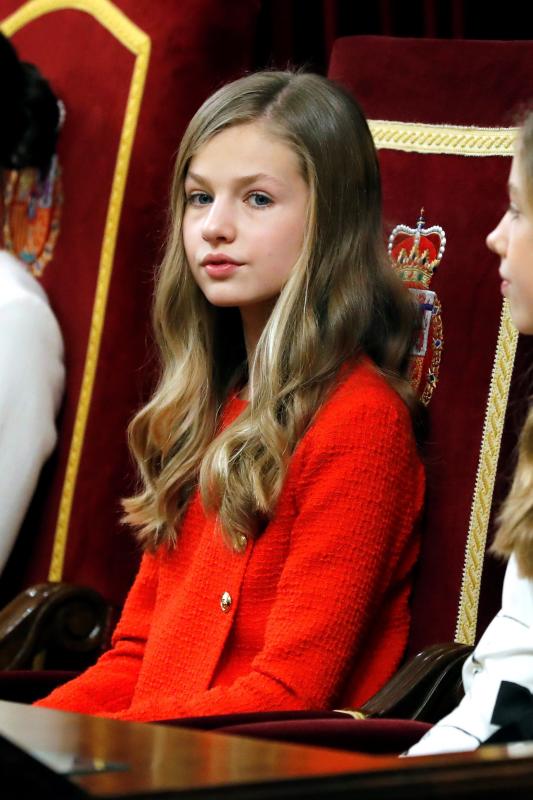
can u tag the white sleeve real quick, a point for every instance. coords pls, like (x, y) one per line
(32, 379)
(505, 652)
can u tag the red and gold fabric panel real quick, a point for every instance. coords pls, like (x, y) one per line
(442, 118)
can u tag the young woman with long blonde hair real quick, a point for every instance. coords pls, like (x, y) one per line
(280, 481)
(498, 676)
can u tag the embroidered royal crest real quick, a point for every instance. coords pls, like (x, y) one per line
(415, 254)
(32, 210)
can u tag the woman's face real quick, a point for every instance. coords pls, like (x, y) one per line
(245, 217)
(512, 240)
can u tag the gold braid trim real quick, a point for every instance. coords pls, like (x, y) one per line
(502, 370)
(461, 140)
(138, 43)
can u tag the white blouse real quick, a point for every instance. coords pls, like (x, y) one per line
(504, 653)
(32, 378)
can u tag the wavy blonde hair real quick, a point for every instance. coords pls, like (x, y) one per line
(515, 528)
(340, 300)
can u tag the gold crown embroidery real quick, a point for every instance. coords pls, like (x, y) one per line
(415, 254)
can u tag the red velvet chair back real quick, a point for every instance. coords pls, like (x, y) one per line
(131, 74)
(416, 92)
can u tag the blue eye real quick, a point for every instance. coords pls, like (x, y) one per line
(199, 199)
(259, 200)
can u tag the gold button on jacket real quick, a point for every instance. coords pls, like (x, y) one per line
(225, 602)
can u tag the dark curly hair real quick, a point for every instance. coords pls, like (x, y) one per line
(29, 110)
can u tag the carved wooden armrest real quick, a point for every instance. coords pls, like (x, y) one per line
(54, 625)
(426, 688)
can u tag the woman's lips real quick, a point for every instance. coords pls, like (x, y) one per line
(220, 265)
(221, 269)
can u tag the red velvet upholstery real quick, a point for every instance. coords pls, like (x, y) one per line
(194, 46)
(462, 83)
(357, 735)
(317, 728)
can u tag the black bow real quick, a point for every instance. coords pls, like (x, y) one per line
(513, 710)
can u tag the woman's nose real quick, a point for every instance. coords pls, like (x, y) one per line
(497, 239)
(219, 224)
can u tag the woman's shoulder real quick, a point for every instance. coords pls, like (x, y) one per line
(24, 306)
(360, 385)
(517, 595)
(361, 403)
(17, 284)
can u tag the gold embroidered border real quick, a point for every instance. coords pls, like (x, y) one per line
(138, 43)
(478, 142)
(461, 140)
(502, 370)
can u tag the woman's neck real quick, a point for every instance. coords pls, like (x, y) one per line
(254, 318)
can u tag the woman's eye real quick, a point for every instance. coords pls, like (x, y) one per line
(198, 198)
(259, 200)
(513, 211)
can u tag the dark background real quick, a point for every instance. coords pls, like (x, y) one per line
(301, 32)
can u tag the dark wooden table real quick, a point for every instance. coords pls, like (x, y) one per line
(135, 760)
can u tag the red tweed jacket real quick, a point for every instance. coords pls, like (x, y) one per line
(314, 613)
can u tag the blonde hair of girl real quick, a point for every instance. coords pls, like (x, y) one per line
(340, 300)
(515, 530)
